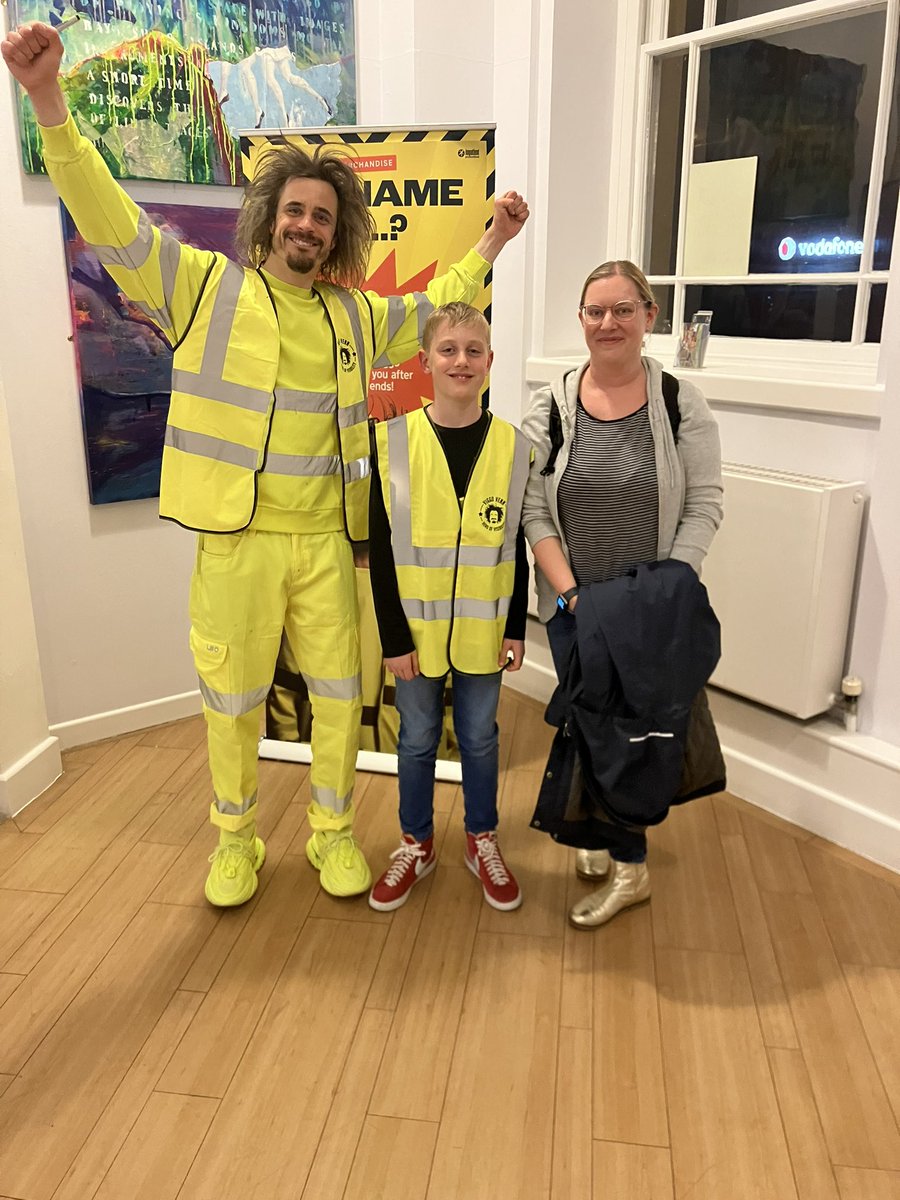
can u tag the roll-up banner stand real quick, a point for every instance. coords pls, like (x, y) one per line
(431, 192)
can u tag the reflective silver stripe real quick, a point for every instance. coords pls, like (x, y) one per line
(396, 317)
(306, 402)
(424, 309)
(304, 465)
(358, 469)
(353, 314)
(169, 258)
(517, 481)
(213, 387)
(354, 414)
(442, 610)
(479, 556)
(211, 447)
(334, 689)
(427, 610)
(382, 361)
(232, 704)
(135, 254)
(328, 798)
(227, 809)
(221, 319)
(159, 316)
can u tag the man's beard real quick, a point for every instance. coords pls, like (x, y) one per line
(302, 259)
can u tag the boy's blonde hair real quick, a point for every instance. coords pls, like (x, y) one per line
(455, 314)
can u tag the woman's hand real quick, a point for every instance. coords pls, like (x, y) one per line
(405, 666)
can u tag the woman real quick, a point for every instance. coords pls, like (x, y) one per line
(621, 492)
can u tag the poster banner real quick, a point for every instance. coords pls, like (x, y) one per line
(162, 86)
(431, 193)
(123, 361)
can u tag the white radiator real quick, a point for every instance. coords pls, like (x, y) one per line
(780, 576)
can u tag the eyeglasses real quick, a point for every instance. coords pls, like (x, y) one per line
(624, 310)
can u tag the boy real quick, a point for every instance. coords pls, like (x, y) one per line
(450, 581)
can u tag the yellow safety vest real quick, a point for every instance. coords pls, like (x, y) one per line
(223, 385)
(455, 563)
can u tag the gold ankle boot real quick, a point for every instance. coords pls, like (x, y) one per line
(629, 883)
(592, 864)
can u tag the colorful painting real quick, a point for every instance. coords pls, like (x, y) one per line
(163, 86)
(124, 362)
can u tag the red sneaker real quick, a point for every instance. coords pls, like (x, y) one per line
(412, 861)
(483, 858)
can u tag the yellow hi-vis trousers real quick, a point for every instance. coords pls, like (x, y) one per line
(246, 589)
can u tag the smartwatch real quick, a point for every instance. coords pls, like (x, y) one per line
(563, 599)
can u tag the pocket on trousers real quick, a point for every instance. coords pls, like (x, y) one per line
(211, 660)
(219, 545)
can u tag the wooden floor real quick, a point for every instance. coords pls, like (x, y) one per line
(735, 1039)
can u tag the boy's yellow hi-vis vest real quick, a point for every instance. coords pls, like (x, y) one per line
(455, 564)
(223, 385)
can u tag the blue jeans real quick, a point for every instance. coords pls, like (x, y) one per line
(420, 702)
(624, 845)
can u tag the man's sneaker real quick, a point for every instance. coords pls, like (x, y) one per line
(335, 853)
(232, 876)
(411, 861)
(483, 858)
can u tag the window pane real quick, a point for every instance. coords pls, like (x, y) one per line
(804, 103)
(876, 312)
(799, 311)
(684, 17)
(665, 298)
(664, 184)
(887, 212)
(736, 10)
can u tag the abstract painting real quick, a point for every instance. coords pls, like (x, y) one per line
(124, 363)
(162, 86)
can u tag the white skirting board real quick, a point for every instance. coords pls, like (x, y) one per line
(126, 720)
(32, 774)
(843, 787)
(366, 760)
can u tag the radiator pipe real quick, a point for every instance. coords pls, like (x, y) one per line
(851, 690)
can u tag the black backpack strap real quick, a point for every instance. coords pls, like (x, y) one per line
(670, 395)
(555, 430)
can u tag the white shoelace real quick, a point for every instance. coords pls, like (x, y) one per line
(405, 854)
(489, 853)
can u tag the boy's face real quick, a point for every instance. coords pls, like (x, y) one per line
(458, 359)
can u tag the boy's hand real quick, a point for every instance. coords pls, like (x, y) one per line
(512, 654)
(406, 666)
(510, 214)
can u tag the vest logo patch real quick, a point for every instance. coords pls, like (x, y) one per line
(346, 355)
(493, 512)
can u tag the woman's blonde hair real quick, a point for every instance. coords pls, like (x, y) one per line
(348, 260)
(628, 270)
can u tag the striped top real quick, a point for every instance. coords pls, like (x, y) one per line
(608, 496)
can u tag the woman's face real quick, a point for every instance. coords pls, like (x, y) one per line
(611, 340)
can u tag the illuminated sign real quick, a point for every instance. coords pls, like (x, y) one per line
(824, 247)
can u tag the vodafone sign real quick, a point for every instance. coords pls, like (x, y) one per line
(823, 247)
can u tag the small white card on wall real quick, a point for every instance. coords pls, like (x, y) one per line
(719, 217)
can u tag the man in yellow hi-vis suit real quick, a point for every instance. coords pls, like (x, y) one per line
(266, 450)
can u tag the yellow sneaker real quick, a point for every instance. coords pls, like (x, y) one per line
(232, 877)
(343, 871)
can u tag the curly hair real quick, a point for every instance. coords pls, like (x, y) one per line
(348, 260)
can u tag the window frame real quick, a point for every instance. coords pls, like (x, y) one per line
(641, 39)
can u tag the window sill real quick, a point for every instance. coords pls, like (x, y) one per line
(840, 390)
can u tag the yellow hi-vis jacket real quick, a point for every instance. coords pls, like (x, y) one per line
(455, 562)
(221, 321)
